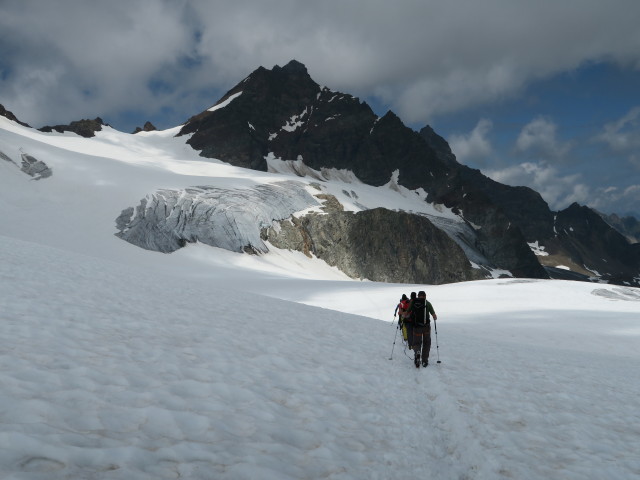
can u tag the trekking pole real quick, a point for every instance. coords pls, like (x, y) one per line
(435, 327)
(394, 342)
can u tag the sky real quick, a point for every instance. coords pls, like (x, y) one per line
(542, 94)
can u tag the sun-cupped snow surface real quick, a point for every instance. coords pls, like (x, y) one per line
(113, 371)
(121, 363)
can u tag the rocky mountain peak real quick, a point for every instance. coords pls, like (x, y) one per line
(294, 67)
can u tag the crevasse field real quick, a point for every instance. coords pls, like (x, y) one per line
(121, 363)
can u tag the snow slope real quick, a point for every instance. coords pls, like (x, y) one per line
(120, 363)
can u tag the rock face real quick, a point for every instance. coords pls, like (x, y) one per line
(377, 244)
(85, 128)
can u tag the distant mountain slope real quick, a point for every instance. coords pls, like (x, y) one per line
(574, 238)
(628, 226)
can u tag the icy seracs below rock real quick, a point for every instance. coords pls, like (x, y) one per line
(227, 218)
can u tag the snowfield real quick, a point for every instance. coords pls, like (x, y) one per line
(121, 363)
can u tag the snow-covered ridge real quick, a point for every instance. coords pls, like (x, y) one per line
(224, 103)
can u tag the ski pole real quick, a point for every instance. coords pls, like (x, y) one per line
(435, 327)
(394, 342)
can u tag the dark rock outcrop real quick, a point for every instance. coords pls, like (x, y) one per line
(85, 128)
(368, 245)
(148, 127)
(7, 114)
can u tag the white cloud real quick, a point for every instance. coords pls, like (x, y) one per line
(539, 139)
(617, 200)
(623, 136)
(69, 59)
(558, 190)
(475, 144)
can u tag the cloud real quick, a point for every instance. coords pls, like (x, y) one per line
(422, 57)
(73, 58)
(539, 139)
(623, 136)
(475, 144)
(558, 190)
(617, 200)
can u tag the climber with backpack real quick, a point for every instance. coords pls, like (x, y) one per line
(402, 311)
(420, 309)
(407, 321)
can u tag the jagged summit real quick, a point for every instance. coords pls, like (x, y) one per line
(294, 67)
